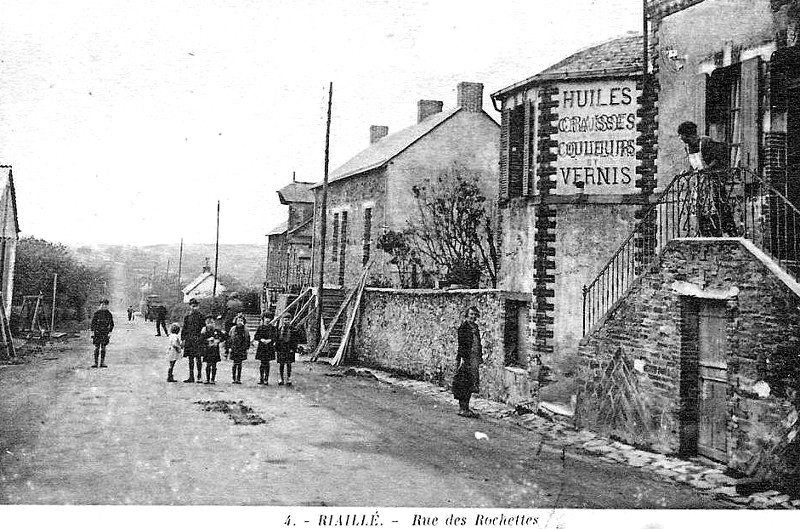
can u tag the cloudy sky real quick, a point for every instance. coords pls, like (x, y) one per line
(125, 121)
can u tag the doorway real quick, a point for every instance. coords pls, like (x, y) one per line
(704, 379)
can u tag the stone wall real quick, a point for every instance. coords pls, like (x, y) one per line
(645, 338)
(413, 332)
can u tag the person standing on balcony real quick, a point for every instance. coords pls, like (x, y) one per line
(469, 356)
(709, 159)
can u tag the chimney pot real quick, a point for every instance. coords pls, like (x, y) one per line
(427, 108)
(470, 96)
(376, 132)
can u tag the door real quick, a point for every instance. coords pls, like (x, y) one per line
(343, 246)
(712, 439)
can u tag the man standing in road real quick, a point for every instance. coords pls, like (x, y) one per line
(102, 325)
(192, 339)
(161, 320)
(130, 312)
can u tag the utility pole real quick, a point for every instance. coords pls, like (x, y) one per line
(53, 311)
(216, 256)
(323, 221)
(180, 263)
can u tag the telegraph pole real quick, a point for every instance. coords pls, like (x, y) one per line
(216, 256)
(180, 263)
(323, 220)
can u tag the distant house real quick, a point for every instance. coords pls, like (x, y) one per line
(372, 192)
(202, 286)
(9, 235)
(289, 244)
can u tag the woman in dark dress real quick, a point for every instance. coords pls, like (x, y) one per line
(470, 355)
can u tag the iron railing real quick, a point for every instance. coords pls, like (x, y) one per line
(729, 203)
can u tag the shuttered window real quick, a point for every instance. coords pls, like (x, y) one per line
(504, 122)
(335, 252)
(750, 113)
(367, 234)
(516, 151)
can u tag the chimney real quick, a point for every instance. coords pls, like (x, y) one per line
(427, 108)
(470, 96)
(377, 132)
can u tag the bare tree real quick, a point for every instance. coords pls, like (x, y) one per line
(454, 229)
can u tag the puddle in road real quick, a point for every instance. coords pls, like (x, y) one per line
(235, 410)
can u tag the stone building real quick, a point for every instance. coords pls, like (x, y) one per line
(696, 352)
(289, 244)
(571, 184)
(372, 192)
(9, 236)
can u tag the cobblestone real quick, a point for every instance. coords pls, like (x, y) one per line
(705, 476)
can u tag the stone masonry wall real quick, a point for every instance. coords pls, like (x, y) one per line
(644, 335)
(413, 332)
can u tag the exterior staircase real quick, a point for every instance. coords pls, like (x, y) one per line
(332, 299)
(754, 210)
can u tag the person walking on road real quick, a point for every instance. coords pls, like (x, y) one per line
(130, 312)
(192, 340)
(239, 343)
(161, 319)
(213, 338)
(173, 350)
(265, 337)
(101, 326)
(469, 356)
(286, 347)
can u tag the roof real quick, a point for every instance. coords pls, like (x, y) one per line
(197, 281)
(616, 57)
(296, 192)
(7, 182)
(302, 225)
(280, 228)
(384, 150)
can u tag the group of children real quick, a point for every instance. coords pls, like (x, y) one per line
(233, 341)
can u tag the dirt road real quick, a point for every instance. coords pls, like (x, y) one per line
(75, 435)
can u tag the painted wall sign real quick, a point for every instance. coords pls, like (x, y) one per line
(596, 138)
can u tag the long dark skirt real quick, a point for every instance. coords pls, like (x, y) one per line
(466, 381)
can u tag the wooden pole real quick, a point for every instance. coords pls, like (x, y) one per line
(323, 221)
(180, 263)
(216, 256)
(53, 312)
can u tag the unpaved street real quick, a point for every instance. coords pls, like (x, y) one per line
(122, 435)
(70, 434)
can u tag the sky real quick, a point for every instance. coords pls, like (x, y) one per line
(126, 121)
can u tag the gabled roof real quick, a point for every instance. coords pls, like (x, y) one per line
(279, 229)
(302, 225)
(296, 192)
(616, 57)
(196, 282)
(7, 182)
(384, 150)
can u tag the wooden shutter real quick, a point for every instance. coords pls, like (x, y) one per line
(749, 114)
(505, 124)
(526, 148)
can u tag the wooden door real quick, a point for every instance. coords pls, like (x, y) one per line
(712, 439)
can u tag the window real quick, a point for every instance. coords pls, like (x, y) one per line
(335, 253)
(723, 110)
(516, 151)
(367, 234)
(516, 333)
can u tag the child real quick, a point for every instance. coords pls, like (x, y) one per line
(265, 337)
(238, 344)
(286, 347)
(213, 338)
(173, 349)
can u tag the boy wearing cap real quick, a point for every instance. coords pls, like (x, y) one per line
(102, 325)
